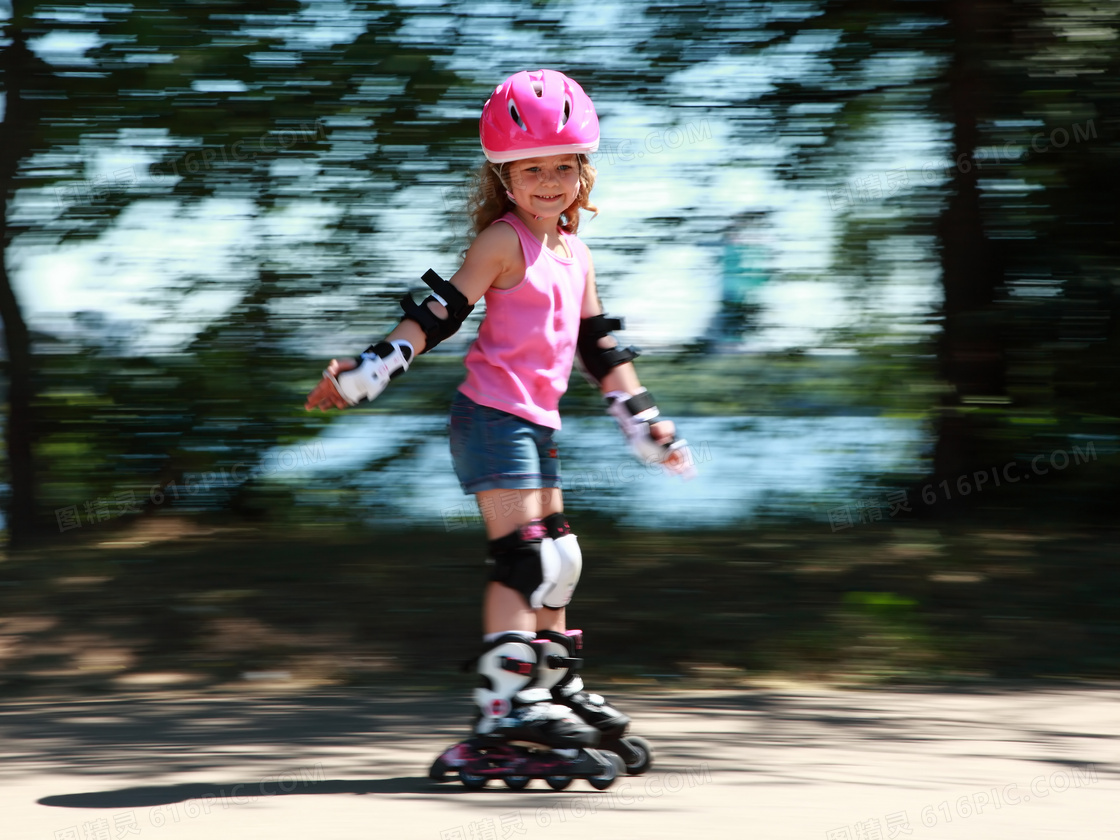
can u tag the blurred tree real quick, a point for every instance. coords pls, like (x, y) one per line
(277, 109)
(21, 72)
(1029, 341)
(266, 105)
(971, 344)
(1014, 190)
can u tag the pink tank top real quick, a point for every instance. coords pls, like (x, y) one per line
(522, 358)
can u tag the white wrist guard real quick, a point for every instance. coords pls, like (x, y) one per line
(634, 414)
(380, 363)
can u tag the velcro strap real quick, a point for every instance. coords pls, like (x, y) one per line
(429, 322)
(615, 356)
(642, 401)
(601, 324)
(453, 299)
(383, 350)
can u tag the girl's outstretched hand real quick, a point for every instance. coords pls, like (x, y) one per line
(325, 395)
(652, 440)
(678, 461)
(664, 432)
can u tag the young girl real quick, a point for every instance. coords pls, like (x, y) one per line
(542, 310)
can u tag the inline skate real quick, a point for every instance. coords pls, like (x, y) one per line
(520, 733)
(560, 664)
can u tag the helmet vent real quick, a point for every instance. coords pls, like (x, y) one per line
(567, 111)
(538, 89)
(516, 116)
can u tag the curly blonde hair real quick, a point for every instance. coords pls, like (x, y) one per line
(488, 201)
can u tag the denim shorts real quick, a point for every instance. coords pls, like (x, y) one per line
(496, 450)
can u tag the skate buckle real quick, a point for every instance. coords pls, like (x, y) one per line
(517, 666)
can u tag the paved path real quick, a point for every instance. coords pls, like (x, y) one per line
(798, 763)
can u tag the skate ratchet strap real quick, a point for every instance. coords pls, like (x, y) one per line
(556, 661)
(517, 666)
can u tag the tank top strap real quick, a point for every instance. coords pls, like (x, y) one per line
(577, 249)
(530, 247)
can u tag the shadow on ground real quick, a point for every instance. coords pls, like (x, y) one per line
(246, 748)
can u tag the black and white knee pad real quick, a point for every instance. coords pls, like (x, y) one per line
(571, 559)
(543, 568)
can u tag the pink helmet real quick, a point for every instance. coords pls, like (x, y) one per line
(537, 113)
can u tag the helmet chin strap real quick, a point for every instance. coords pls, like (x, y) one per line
(498, 171)
(515, 204)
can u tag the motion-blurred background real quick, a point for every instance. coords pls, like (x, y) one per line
(869, 250)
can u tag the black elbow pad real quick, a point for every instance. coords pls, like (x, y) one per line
(436, 329)
(597, 361)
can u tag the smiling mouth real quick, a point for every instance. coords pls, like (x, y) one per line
(548, 197)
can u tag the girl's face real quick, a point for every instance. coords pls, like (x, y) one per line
(544, 186)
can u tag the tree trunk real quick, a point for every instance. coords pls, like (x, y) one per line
(971, 347)
(16, 133)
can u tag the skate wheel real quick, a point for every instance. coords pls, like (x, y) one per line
(438, 770)
(644, 760)
(558, 782)
(615, 768)
(472, 781)
(517, 782)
